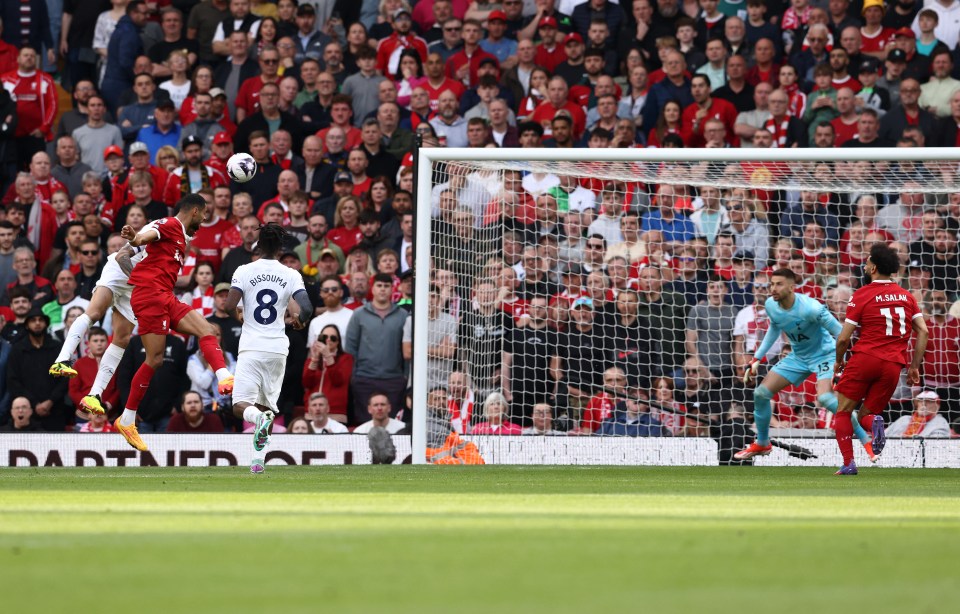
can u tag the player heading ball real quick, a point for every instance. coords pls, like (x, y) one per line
(157, 309)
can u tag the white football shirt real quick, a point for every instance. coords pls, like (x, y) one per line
(267, 287)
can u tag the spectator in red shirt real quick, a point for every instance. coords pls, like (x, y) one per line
(705, 107)
(248, 96)
(36, 96)
(341, 116)
(556, 101)
(192, 419)
(549, 53)
(845, 126)
(463, 65)
(390, 48)
(941, 363)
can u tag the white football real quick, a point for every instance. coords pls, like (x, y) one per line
(241, 167)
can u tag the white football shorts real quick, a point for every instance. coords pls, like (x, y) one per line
(113, 279)
(259, 378)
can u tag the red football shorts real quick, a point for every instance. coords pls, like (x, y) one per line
(158, 312)
(871, 380)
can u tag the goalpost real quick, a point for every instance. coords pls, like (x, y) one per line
(613, 296)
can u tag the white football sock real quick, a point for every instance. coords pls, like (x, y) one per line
(108, 365)
(251, 413)
(223, 374)
(128, 417)
(74, 336)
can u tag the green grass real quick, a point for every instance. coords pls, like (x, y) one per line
(478, 539)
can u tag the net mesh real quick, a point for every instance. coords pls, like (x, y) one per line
(575, 298)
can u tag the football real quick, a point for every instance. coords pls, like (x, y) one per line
(241, 167)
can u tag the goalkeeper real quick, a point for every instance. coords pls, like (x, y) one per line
(812, 331)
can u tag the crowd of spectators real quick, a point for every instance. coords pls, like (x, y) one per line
(559, 302)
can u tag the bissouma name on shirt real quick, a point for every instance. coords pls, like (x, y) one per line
(274, 278)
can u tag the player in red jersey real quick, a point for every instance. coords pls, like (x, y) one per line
(882, 310)
(157, 309)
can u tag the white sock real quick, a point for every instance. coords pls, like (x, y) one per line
(74, 336)
(128, 417)
(108, 365)
(223, 374)
(250, 414)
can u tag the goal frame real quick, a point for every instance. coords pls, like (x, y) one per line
(425, 158)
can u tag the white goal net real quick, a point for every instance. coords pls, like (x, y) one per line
(565, 294)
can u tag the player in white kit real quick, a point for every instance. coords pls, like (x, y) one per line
(112, 290)
(267, 288)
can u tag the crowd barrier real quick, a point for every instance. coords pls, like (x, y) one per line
(88, 450)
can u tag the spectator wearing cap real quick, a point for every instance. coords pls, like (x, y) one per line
(165, 130)
(342, 182)
(935, 94)
(572, 69)
(193, 175)
(873, 96)
(893, 73)
(140, 114)
(94, 137)
(122, 52)
(27, 373)
(876, 38)
(463, 66)
(221, 149)
(402, 37)
(497, 43)
(925, 421)
(550, 52)
(309, 40)
(918, 64)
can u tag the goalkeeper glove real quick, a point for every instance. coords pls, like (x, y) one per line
(751, 369)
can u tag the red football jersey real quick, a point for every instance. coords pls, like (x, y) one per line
(160, 269)
(884, 312)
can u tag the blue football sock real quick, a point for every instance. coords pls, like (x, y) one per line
(762, 413)
(829, 401)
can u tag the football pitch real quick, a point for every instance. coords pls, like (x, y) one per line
(479, 539)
